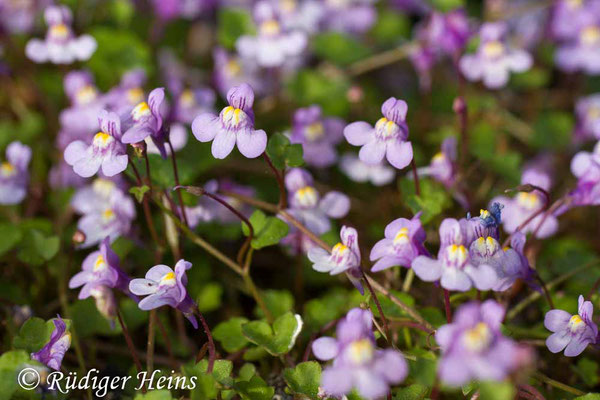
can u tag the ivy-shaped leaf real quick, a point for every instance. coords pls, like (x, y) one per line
(277, 339)
(33, 335)
(268, 231)
(139, 192)
(283, 153)
(229, 334)
(304, 378)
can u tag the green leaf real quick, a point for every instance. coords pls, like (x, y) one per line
(277, 339)
(268, 231)
(11, 235)
(534, 78)
(33, 335)
(434, 199)
(552, 130)
(278, 302)
(11, 364)
(424, 369)
(37, 248)
(412, 392)
(588, 371)
(118, 52)
(496, 391)
(139, 192)
(282, 153)
(88, 321)
(209, 298)
(304, 378)
(339, 48)
(208, 385)
(155, 395)
(229, 334)
(254, 389)
(233, 23)
(315, 87)
(589, 396)
(391, 27)
(447, 5)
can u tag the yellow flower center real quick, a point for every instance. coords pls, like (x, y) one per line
(314, 131)
(102, 139)
(361, 351)
(386, 128)
(289, 5)
(140, 111)
(487, 246)
(590, 35)
(103, 186)
(270, 28)
(233, 115)
(457, 253)
(135, 95)
(593, 112)
(575, 322)
(100, 264)
(401, 237)
(187, 98)
(108, 214)
(574, 4)
(438, 157)
(478, 338)
(493, 49)
(233, 68)
(528, 200)
(168, 279)
(307, 196)
(86, 94)
(59, 31)
(8, 169)
(339, 249)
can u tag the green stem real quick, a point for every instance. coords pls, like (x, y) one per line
(150, 345)
(559, 385)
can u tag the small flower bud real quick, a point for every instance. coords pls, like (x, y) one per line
(459, 106)
(78, 237)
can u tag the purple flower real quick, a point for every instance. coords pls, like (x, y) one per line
(515, 265)
(79, 121)
(359, 171)
(357, 362)
(344, 257)
(188, 9)
(235, 124)
(473, 348)
(231, 70)
(454, 267)
(60, 45)
(446, 33)
(307, 206)
(14, 176)
(567, 18)
(274, 45)
(166, 287)
(582, 53)
(106, 211)
(586, 168)
(178, 136)
(443, 165)
(106, 150)
(494, 59)
(191, 102)
(129, 92)
(587, 111)
(19, 16)
(388, 138)
(53, 352)
(318, 135)
(353, 16)
(145, 120)
(403, 242)
(572, 333)
(100, 268)
(506, 264)
(521, 207)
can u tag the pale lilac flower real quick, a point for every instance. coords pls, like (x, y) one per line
(443, 164)
(515, 265)
(403, 242)
(306, 16)
(100, 268)
(188, 9)
(60, 45)
(351, 16)
(587, 111)
(447, 33)
(582, 53)
(177, 134)
(454, 267)
(344, 257)
(106, 211)
(106, 150)
(567, 18)
(572, 333)
(19, 16)
(235, 124)
(128, 93)
(357, 362)
(231, 70)
(145, 120)
(105, 301)
(521, 207)
(53, 352)
(191, 102)
(14, 176)
(166, 287)
(473, 348)
(495, 58)
(507, 264)
(388, 138)
(318, 135)
(307, 206)
(586, 168)
(359, 171)
(273, 46)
